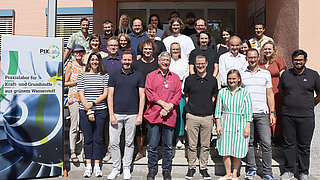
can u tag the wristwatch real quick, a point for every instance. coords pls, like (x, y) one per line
(273, 112)
(93, 103)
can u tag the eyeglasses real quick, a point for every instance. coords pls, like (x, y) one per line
(252, 57)
(200, 64)
(298, 59)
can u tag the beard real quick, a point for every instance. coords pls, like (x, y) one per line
(299, 68)
(191, 23)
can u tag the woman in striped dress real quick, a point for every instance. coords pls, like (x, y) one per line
(233, 116)
(92, 87)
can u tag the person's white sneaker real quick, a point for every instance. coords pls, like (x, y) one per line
(287, 176)
(87, 173)
(126, 174)
(97, 172)
(179, 143)
(107, 157)
(114, 174)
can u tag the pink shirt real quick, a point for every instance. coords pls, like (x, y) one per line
(167, 90)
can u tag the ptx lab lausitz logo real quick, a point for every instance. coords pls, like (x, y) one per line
(53, 51)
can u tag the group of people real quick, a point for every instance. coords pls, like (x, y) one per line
(161, 84)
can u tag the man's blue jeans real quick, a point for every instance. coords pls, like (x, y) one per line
(261, 123)
(155, 131)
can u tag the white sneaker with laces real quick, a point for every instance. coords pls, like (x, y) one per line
(114, 174)
(87, 173)
(97, 172)
(126, 174)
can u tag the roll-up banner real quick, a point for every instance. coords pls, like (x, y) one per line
(31, 122)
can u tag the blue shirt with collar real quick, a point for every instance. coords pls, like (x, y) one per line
(112, 64)
(126, 91)
(136, 39)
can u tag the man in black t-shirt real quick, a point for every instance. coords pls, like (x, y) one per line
(201, 90)
(189, 29)
(297, 85)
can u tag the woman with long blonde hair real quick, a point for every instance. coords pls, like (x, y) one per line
(270, 59)
(124, 25)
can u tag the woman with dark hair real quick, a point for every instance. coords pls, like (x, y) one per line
(233, 117)
(124, 25)
(226, 34)
(176, 26)
(204, 41)
(125, 45)
(154, 19)
(245, 46)
(94, 43)
(271, 60)
(92, 87)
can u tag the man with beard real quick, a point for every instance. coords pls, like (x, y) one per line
(201, 26)
(258, 82)
(137, 35)
(126, 99)
(189, 29)
(298, 85)
(163, 90)
(108, 33)
(231, 60)
(81, 38)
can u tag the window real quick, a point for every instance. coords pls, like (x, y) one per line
(6, 22)
(68, 21)
(217, 14)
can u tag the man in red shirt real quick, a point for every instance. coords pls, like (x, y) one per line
(163, 90)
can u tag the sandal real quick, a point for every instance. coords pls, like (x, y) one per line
(74, 159)
(138, 157)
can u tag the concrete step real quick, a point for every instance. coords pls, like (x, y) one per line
(179, 165)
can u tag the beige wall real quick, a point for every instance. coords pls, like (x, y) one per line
(30, 15)
(282, 20)
(309, 25)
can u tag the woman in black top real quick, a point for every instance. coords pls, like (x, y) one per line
(226, 34)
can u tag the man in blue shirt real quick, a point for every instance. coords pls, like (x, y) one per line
(112, 62)
(126, 99)
(107, 33)
(137, 35)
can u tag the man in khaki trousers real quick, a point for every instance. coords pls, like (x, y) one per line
(201, 90)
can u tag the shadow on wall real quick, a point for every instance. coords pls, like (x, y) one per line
(282, 17)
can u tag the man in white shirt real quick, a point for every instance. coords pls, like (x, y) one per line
(258, 82)
(231, 60)
(260, 39)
